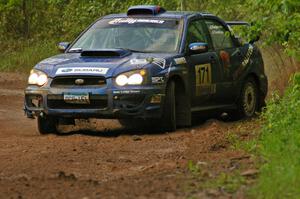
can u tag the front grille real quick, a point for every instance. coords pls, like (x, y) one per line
(96, 102)
(63, 82)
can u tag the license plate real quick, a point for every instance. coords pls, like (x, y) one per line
(77, 98)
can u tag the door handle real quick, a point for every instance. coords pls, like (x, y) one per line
(212, 59)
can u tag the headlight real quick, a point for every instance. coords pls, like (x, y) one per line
(131, 78)
(122, 80)
(37, 77)
(135, 79)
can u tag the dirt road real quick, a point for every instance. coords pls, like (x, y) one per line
(108, 163)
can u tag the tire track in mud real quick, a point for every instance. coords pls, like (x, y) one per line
(109, 163)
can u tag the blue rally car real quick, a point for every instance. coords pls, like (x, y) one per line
(148, 64)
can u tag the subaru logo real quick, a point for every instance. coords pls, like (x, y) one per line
(79, 81)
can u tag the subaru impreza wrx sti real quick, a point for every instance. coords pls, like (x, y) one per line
(148, 64)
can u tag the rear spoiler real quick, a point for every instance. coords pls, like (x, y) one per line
(242, 23)
(237, 23)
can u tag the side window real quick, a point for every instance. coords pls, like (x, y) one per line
(195, 33)
(219, 35)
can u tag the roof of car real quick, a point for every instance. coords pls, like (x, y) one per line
(168, 14)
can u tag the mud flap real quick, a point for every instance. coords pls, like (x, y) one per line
(183, 111)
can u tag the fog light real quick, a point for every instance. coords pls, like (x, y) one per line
(34, 101)
(156, 99)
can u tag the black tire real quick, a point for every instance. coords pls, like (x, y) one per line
(47, 125)
(248, 101)
(169, 110)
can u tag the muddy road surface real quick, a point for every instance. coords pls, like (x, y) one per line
(104, 160)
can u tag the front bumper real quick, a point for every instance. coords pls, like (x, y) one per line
(134, 102)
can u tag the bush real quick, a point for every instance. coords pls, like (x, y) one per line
(279, 145)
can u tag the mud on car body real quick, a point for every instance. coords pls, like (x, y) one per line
(148, 64)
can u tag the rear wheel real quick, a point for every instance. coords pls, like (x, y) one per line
(169, 112)
(248, 101)
(47, 125)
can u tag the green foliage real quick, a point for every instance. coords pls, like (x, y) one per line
(228, 182)
(27, 22)
(279, 22)
(195, 169)
(26, 55)
(279, 145)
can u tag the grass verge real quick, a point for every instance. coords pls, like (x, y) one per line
(279, 145)
(24, 55)
(228, 182)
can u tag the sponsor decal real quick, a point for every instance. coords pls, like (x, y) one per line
(203, 80)
(248, 56)
(180, 60)
(203, 74)
(139, 61)
(127, 92)
(157, 80)
(82, 70)
(133, 21)
(214, 29)
(159, 62)
(244, 63)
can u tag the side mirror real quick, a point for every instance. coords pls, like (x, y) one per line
(252, 41)
(62, 46)
(197, 48)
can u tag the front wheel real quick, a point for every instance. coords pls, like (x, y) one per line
(47, 125)
(248, 101)
(169, 112)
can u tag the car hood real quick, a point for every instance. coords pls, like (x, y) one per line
(63, 64)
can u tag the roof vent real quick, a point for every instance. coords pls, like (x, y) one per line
(145, 10)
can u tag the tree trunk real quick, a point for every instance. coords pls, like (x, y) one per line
(25, 19)
(182, 5)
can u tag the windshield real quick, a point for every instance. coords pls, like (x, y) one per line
(135, 34)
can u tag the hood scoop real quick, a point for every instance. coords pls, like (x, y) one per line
(108, 53)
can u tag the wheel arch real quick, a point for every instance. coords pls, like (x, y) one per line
(255, 77)
(259, 83)
(180, 84)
